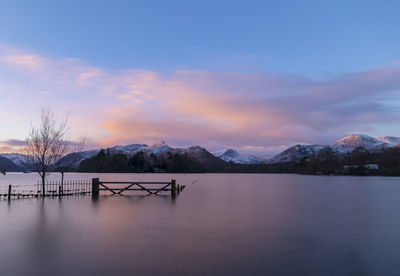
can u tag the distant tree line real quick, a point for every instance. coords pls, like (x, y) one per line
(326, 162)
(105, 162)
(356, 162)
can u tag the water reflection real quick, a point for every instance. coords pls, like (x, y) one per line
(222, 225)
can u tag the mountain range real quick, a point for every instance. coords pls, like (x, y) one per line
(341, 146)
(13, 161)
(231, 155)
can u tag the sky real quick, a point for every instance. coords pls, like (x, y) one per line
(257, 76)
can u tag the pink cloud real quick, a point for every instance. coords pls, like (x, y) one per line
(216, 109)
(29, 62)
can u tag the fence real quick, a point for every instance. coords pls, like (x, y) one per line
(52, 188)
(94, 186)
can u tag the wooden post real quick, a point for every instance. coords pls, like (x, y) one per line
(95, 187)
(173, 187)
(59, 191)
(9, 192)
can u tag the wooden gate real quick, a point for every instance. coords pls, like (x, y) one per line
(151, 188)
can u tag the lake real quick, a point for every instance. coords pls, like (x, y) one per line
(222, 224)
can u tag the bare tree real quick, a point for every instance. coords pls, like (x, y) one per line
(46, 145)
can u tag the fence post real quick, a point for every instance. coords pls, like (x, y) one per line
(95, 186)
(173, 187)
(9, 192)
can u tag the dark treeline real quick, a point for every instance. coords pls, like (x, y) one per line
(291, 167)
(357, 162)
(105, 162)
(326, 161)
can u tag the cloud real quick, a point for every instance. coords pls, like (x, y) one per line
(14, 145)
(254, 112)
(11, 145)
(26, 61)
(264, 110)
(13, 142)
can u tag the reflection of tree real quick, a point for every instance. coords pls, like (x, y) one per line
(45, 238)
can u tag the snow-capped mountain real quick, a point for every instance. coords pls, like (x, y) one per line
(126, 149)
(73, 160)
(341, 146)
(156, 149)
(16, 158)
(161, 149)
(362, 140)
(7, 165)
(295, 153)
(231, 155)
(298, 152)
(392, 141)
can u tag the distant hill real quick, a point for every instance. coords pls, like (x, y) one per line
(219, 159)
(231, 155)
(206, 159)
(341, 146)
(362, 140)
(16, 158)
(8, 165)
(158, 157)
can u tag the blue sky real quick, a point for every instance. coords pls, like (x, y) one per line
(253, 75)
(306, 37)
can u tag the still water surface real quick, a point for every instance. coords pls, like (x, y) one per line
(223, 224)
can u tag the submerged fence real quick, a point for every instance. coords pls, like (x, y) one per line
(94, 186)
(52, 188)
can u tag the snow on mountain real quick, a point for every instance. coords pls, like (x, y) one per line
(8, 165)
(127, 149)
(191, 151)
(16, 158)
(74, 159)
(158, 148)
(361, 140)
(295, 153)
(231, 155)
(298, 152)
(131, 149)
(292, 154)
(392, 141)
(341, 146)
(254, 159)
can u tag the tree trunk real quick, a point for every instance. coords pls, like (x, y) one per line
(62, 182)
(62, 179)
(43, 185)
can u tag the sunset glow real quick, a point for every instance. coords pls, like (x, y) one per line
(258, 110)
